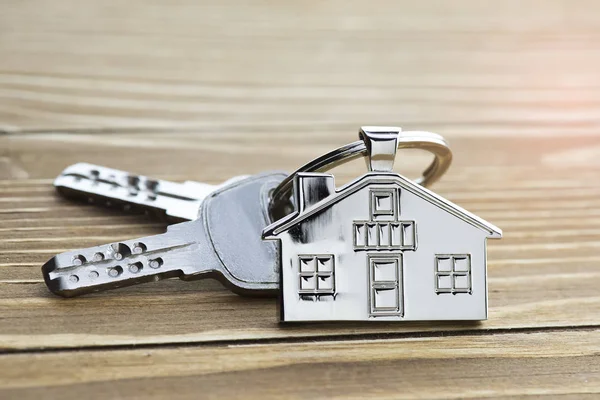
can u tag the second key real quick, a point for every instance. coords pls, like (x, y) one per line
(111, 187)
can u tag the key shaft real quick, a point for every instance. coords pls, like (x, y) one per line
(109, 187)
(147, 259)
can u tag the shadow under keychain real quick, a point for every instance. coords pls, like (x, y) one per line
(380, 248)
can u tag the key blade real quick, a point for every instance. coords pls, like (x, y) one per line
(124, 263)
(109, 187)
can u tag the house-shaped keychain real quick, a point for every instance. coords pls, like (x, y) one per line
(379, 248)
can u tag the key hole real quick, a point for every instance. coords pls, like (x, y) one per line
(115, 271)
(78, 260)
(156, 263)
(134, 185)
(133, 181)
(139, 248)
(152, 189)
(119, 251)
(135, 267)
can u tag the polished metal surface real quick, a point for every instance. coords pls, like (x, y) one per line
(381, 143)
(281, 198)
(381, 248)
(110, 187)
(222, 243)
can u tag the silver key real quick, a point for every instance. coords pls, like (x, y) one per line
(224, 243)
(107, 186)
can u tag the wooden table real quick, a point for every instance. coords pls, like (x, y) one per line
(194, 90)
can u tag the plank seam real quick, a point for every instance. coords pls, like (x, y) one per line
(303, 339)
(277, 127)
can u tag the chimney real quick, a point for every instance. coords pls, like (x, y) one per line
(312, 187)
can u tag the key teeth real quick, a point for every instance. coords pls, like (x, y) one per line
(106, 267)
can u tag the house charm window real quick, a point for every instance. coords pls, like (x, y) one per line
(453, 274)
(384, 235)
(384, 203)
(383, 230)
(317, 276)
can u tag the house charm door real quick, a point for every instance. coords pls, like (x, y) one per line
(381, 247)
(385, 284)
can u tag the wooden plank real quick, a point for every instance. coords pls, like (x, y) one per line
(472, 366)
(542, 274)
(203, 91)
(176, 312)
(456, 67)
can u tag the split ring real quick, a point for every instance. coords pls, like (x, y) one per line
(281, 203)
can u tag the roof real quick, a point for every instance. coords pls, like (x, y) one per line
(287, 222)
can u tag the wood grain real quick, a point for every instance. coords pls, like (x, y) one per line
(490, 366)
(457, 67)
(545, 267)
(205, 91)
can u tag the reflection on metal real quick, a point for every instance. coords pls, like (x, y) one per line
(382, 232)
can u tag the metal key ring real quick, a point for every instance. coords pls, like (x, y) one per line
(281, 204)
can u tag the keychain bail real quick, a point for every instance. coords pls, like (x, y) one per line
(381, 143)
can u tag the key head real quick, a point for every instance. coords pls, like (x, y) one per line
(233, 219)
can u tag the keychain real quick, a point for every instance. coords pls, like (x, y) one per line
(379, 248)
(382, 247)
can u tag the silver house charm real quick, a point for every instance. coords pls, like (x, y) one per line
(381, 248)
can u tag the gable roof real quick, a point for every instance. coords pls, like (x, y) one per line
(287, 222)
